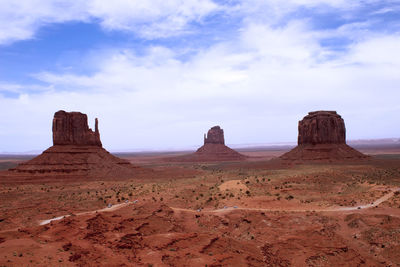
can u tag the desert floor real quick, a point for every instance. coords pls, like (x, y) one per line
(259, 212)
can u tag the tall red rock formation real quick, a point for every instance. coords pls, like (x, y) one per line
(77, 150)
(71, 128)
(322, 127)
(322, 136)
(214, 136)
(214, 149)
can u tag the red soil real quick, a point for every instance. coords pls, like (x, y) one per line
(284, 216)
(210, 153)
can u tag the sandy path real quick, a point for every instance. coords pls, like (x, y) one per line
(373, 204)
(367, 206)
(229, 209)
(114, 207)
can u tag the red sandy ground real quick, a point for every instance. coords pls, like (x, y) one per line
(250, 213)
(210, 153)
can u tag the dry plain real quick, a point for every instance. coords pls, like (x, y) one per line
(258, 212)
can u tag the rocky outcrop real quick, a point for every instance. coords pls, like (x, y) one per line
(77, 150)
(215, 136)
(214, 149)
(322, 127)
(71, 128)
(322, 137)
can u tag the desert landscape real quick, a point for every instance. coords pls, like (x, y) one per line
(78, 205)
(202, 133)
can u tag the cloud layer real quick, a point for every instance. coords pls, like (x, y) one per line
(256, 80)
(20, 20)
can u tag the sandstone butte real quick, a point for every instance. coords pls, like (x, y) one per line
(76, 150)
(214, 149)
(71, 128)
(322, 136)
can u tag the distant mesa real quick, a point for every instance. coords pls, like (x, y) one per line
(214, 149)
(76, 150)
(322, 136)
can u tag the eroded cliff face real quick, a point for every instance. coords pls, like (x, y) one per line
(71, 128)
(215, 136)
(322, 127)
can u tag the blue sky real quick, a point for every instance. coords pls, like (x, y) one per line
(158, 74)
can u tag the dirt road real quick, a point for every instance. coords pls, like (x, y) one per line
(230, 209)
(331, 209)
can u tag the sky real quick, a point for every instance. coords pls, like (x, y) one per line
(158, 74)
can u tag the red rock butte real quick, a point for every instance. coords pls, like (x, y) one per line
(214, 136)
(76, 150)
(322, 136)
(71, 128)
(214, 149)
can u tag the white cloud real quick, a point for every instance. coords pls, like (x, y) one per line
(256, 85)
(377, 50)
(21, 89)
(19, 20)
(293, 42)
(273, 10)
(156, 18)
(263, 81)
